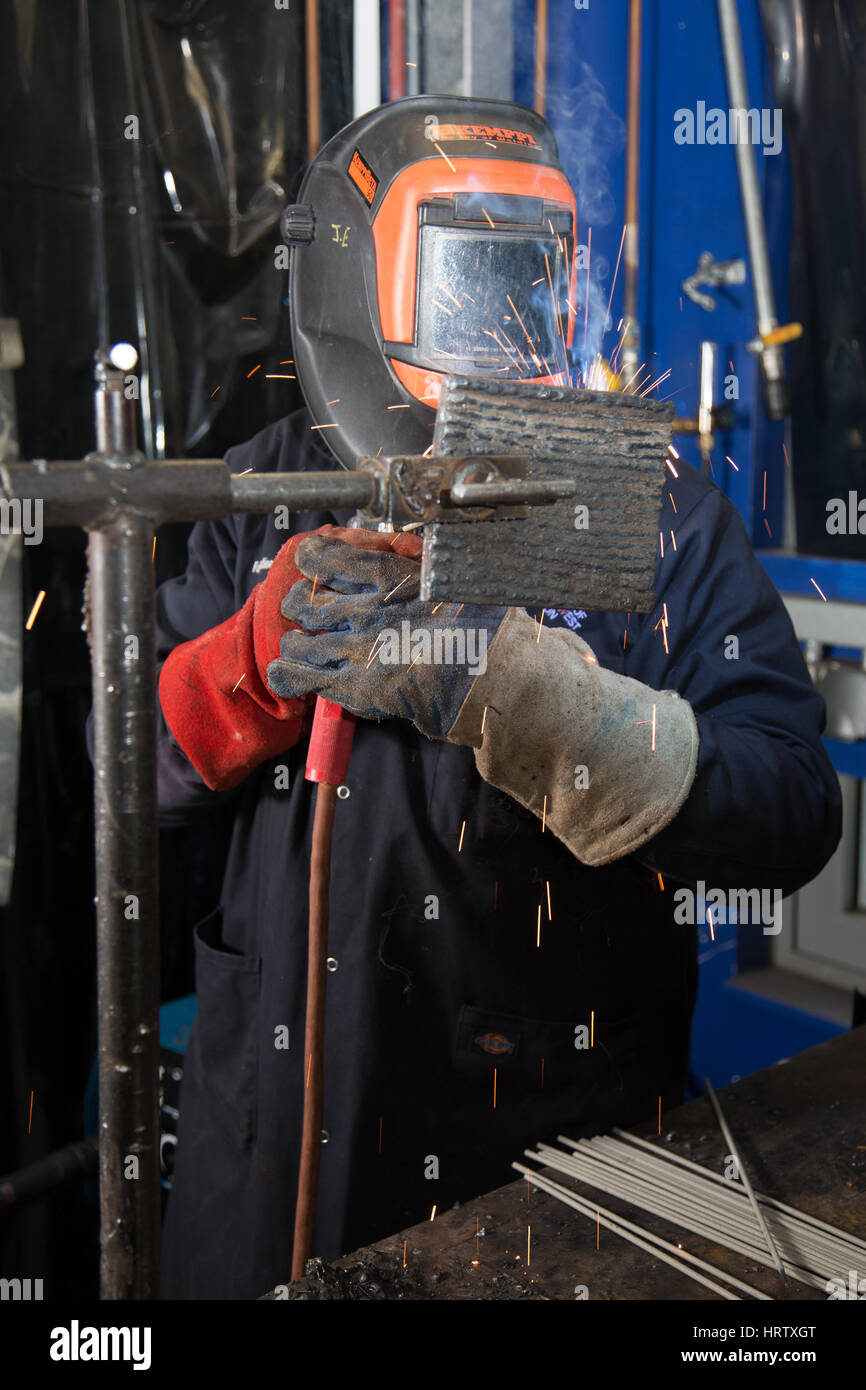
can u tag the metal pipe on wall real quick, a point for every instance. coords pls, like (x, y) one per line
(314, 79)
(539, 99)
(631, 326)
(396, 49)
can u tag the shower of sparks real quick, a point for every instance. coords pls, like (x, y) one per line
(398, 586)
(823, 595)
(654, 384)
(254, 370)
(661, 882)
(35, 609)
(462, 829)
(731, 462)
(451, 166)
(543, 815)
(372, 655)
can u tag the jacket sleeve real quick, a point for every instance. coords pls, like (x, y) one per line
(765, 807)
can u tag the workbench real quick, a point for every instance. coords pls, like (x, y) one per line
(800, 1127)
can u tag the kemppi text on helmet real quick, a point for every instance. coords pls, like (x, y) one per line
(433, 235)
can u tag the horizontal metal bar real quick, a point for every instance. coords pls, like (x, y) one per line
(516, 492)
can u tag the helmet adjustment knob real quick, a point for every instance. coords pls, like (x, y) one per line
(298, 224)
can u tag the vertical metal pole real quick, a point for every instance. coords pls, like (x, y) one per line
(127, 908)
(539, 98)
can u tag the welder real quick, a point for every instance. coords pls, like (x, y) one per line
(505, 859)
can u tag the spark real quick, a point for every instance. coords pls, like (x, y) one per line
(538, 931)
(309, 1068)
(279, 376)
(445, 310)
(413, 663)
(731, 462)
(153, 552)
(671, 467)
(398, 586)
(249, 318)
(673, 451)
(662, 544)
(35, 609)
(379, 637)
(396, 407)
(254, 370)
(315, 582)
(549, 913)
(450, 295)
(484, 718)
(767, 524)
(459, 610)
(438, 606)
(462, 829)
(661, 882)
(324, 427)
(543, 815)
(504, 348)
(628, 383)
(665, 640)
(433, 1212)
(404, 1254)
(673, 540)
(824, 596)
(451, 166)
(246, 470)
(489, 218)
(289, 362)
(624, 635)
(764, 504)
(556, 312)
(665, 611)
(710, 922)
(411, 65)
(673, 503)
(539, 281)
(787, 460)
(213, 393)
(523, 326)
(654, 384)
(528, 1244)
(615, 273)
(336, 402)
(592, 1028)
(588, 259)
(540, 621)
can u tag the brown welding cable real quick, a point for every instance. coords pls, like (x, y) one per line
(632, 157)
(314, 1033)
(540, 95)
(314, 80)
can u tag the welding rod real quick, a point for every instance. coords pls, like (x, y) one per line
(759, 1215)
(653, 1244)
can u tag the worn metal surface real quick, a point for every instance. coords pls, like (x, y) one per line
(800, 1127)
(612, 446)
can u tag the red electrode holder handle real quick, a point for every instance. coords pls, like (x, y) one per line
(330, 744)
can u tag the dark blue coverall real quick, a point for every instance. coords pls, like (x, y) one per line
(421, 1008)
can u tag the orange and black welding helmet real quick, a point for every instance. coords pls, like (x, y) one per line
(434, 235)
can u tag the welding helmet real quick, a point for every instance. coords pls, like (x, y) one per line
(433, 235)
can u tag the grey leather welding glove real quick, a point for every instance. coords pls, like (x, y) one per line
(604, 761)
(378, 650)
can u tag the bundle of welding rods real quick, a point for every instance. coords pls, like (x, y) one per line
(698, 1200)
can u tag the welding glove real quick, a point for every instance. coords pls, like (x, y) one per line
(603, 760)
(380, 652)
(213, 690)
